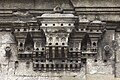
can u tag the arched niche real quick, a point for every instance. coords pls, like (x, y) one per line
(85, 43)
(29, 43)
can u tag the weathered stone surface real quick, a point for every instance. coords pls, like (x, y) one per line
(18, 4)
(99, 67)
(96, 3)
(100, 77)
(23, 11)
(117, 67)
(118, 47)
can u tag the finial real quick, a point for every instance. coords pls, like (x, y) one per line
(58, 9)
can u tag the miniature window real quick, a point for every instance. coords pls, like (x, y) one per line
(87, 29)
(77, 29)
(94, 43)
(20, 49)
(25, 29)
(37, 65)
(42, 60)
(42, 65)
(69, 24)
(45, 24)
(42, 48)
(105, 60)
(94, 54)
(36, 60)
(95, 60)
(97, 30)
(38, 28)
(63, 43)
(82, 29)
(61, 24)
(66, 66)
(33, 29)
(16, 62)
(63, 60)
(91, 30)
(47, 65)
(76, 61)
(53, 24)
(21, 44)
(37, 49)
(50, 43)
(71, 60)
(56, 43)
(50, 60)
(71, 49)
(76, 48)
(88, 55)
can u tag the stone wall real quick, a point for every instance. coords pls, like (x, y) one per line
(93, 70)
(108, 10)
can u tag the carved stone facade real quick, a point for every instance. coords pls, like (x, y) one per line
(59, 39)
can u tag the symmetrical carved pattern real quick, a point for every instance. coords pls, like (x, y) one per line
(56, 42)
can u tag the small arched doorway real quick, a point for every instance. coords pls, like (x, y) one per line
(86, 43)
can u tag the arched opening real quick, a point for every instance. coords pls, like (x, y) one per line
(29, 43)
(21, 44)
(86, 42)
(94, 44)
